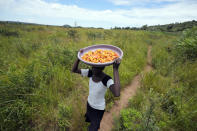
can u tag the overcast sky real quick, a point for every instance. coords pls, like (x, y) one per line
(99, 13)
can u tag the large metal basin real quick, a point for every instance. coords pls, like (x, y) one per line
(100, 46)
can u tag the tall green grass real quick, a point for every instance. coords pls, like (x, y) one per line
(167, 97)
(37, 89)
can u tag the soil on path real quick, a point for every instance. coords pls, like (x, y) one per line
(126, 94)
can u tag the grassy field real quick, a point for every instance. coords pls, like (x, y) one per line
(38, 90)
(167, 99)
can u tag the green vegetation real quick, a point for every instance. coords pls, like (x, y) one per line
(174, 27)
(167, 99)
(38, 90)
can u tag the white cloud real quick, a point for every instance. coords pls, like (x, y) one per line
(121, 2)
(139, 2)
(39, 11)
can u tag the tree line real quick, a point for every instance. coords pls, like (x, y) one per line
(173, 27)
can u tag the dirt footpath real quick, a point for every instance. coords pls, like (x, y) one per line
(126, 94)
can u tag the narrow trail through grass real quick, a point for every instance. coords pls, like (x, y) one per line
(128, 92)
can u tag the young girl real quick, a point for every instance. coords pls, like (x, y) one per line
(98, 84)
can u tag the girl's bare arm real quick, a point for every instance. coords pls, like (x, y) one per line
(115, 88)
(75, 67)
(76, 64)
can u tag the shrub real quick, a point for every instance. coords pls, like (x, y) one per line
(8, 33)
(187, 45)
(16, 115)
(63, 56)
(64, 116)
(94, 35)
(23, 48)
(73, 34)
(130, 119)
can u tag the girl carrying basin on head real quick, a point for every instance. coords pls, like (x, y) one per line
(99, 82)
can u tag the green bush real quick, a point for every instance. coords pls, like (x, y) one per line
(94, 35)
(16, 115)
(73, 34)
(8, 33)
(187, 45)
(63, 56)
(130, 119)
(64, 116)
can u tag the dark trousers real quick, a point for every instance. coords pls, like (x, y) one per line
(93, 116)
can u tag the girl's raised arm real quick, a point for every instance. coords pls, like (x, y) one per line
(75, 67)
(115, 88)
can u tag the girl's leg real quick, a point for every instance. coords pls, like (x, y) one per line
(93, 126)
(95, 122)
(94, 116)
(88, 110)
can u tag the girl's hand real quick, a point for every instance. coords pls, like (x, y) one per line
(116, 63)
(81, 50)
